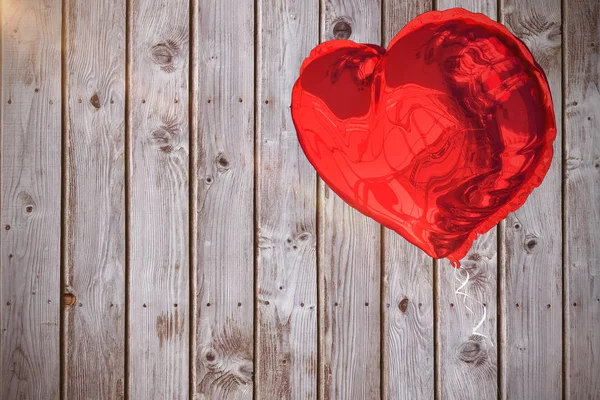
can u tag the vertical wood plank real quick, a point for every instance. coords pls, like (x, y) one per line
(467, 356)
(286, 353)
(532, 236)
(467, 361)
(95, 202)
(31, 199)
(224, 204)
(582, 198)
(487, 7)
(349, 252)
(408, 339)
(158, 200)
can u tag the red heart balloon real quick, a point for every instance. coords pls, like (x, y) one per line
(438, 137)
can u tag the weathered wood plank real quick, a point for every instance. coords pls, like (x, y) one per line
(349, 252)
(286, 352)
(408, 340)
(95, 202)
(532, 251)
(582, 198)
(468, 356)
(487, 7)
(30, 199)
(224, 179)
(158, 200)
(467, 361)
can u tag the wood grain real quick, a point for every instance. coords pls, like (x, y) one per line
(158, 200)
(286, 349)
(407, 286)
(582, 198)
(30, 199)
(532, 236)
(349, 253)
(224, 200)
(467, 357)
(487, 7)
(336, 315)
(95, 202)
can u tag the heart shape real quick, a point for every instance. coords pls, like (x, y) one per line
(438, 137)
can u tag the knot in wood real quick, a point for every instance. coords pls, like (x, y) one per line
(472, 352)
(222, 162)
(475, 257)
(163, 54)
(403, 305)
(245, 371)
(210, 356)
(95, 101)
(302, 239)
(531, 243)
(69, 299)
(165, 138)
(304, 236)
(342, 30)
(26, 199)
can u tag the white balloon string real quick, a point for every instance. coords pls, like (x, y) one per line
(458, 291)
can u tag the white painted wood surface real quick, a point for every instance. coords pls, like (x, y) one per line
(349, 253)
(581, 27)
(407, 282)
(158, 195)
(286, 328)
(224, 204)
(532, 254)
(203, 259)
(94, 229)
(30, 182)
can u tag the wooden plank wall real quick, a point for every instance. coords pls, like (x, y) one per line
(94, 202)
(581, 113)
(30, 182)
(158, 200)
(164, 236)
(349, 252)
(223, 201)
(467, 358)
(408, 342)
(286, 320)
(531, 253)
